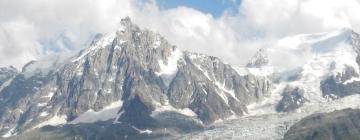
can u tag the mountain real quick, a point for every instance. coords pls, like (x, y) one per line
(312, 68)
(310, 74)
(131, 79)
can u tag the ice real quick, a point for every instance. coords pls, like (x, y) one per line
(271, 126)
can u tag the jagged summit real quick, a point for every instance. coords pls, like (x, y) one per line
(259, 59)
(130, 76)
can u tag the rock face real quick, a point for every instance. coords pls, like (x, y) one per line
(293, 98)
(343, 84)
(132, 76)
(6, 73)
(342, 124)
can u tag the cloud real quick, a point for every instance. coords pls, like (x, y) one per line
(277, 19)
(17, 42)
(283, 17)
(191, 30)
(66, 24)
(32, 29)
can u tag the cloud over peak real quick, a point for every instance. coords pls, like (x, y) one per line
(32, 29)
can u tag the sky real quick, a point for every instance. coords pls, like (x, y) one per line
(214, 7)
(32, 29)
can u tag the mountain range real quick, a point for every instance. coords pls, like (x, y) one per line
(134, 84)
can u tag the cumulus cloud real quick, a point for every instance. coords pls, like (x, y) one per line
(284, 17)
(277, 19)
(32, 29)
(17, 42)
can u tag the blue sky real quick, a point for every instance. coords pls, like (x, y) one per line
(213, 7)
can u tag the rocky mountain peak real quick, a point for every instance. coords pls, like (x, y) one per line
(259, 59)
(132, 76)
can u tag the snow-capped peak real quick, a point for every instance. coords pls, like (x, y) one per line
(314, 57)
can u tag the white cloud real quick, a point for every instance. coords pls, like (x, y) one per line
(17, 41)
(26, 23)
(192, 30)
(284, 17)
(234, 38)
(277, 19)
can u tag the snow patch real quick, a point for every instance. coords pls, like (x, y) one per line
(90, 116)
(168, 71)
(102, 43)
(157, 42)
(353, 79)
(146, 131)
(223, 89)
(262, 71)
(50, 95)
(169, 108)
(7, 83)
(10, 133)
(41, 104)
(56, 120)
(43, 114)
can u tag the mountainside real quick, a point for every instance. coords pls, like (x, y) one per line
(310, 74)
(132, 77)
(6, 73)
(323, 67)
(343, 124)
